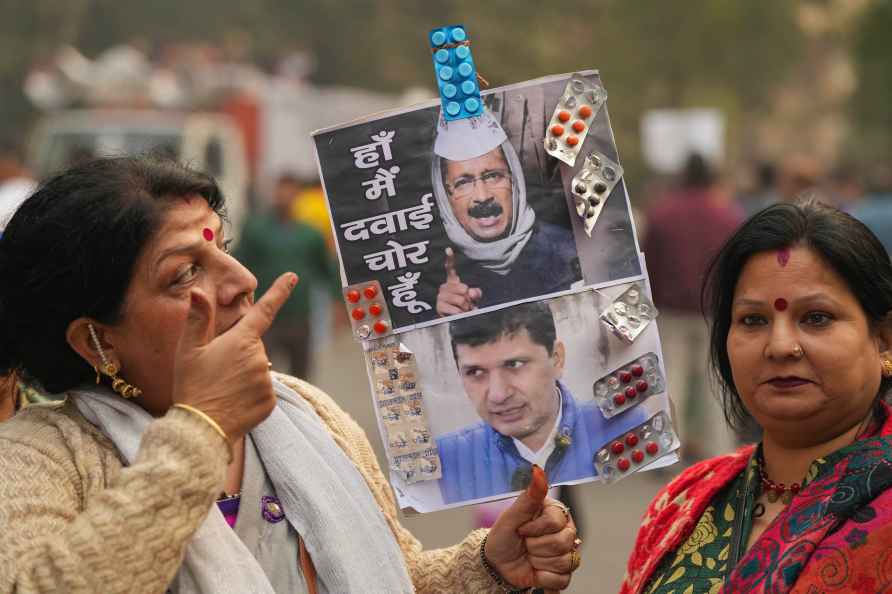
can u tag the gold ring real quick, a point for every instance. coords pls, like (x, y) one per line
(577, 543)
(562, 507)
(575, 560)
(269, 364)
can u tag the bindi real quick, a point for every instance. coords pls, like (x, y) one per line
(783, 256)
(208, 234)
(780, 304)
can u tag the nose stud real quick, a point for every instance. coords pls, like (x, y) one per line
(797, 352)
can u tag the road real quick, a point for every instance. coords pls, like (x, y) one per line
(610, 515)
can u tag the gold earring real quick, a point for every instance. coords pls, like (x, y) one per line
(111, 370)
(887, 368)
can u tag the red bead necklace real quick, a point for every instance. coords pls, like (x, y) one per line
(774, 491)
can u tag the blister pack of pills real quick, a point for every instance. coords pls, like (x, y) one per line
(573, 117)
(636, 449)
(410, 446)
(628, 386)
(368, 311)
(630, 313)
(456, 73)
(592, 185)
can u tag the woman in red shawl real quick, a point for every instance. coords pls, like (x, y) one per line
(800, 299)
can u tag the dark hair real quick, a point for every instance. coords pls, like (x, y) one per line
(842, 241)
(535, 317)
(70, 250)
(697, 173)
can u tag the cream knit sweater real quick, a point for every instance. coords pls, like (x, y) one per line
(74, 519)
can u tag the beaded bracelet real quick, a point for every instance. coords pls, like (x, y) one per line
(498, 579)
(208, 420)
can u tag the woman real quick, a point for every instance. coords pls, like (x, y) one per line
(800, 298)
(129, 302)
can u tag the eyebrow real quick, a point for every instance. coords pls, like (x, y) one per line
(186, 248)
(745, 302)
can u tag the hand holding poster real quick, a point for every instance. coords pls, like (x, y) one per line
(494, 287)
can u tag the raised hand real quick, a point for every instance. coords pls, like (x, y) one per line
(227, 376)
(533, 543)
(454, 296)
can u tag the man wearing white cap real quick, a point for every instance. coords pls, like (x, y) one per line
(502, 252)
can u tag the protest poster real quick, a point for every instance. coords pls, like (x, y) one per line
(495, 287)
(393, 220)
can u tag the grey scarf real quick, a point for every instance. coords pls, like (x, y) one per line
(324, 497)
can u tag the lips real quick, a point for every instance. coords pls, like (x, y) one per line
(487, 222)
(787, 382)
(509, 415)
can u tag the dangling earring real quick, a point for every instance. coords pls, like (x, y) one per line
(111, 370)
(887, 368)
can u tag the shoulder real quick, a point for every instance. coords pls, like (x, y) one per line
(464, 437)
(52, 435)
(547, 232)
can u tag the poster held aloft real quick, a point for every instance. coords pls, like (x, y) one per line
(493, 285)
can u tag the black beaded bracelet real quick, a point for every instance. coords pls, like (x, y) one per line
(498, 579)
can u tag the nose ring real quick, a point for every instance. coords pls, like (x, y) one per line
(797, 352)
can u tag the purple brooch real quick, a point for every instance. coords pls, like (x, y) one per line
(271, 509)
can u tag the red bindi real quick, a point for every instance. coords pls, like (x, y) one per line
(780, 304)
(783, 256)
(208, 234)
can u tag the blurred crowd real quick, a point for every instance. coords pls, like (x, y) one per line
(685, 221)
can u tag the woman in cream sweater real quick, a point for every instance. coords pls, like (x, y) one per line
(129, 302)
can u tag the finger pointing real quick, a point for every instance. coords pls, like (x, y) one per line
(261, 315)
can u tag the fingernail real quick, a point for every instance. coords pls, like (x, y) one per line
(292, 282)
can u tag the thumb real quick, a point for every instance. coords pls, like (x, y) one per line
(451, 274)
(529, 504)
(199, 327)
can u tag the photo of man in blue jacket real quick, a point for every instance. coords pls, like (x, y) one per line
(510, 362)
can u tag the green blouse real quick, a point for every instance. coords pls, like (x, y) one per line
(703, 562)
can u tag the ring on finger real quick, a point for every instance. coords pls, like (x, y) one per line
(562, 507)
(577, 543)
(575, 560)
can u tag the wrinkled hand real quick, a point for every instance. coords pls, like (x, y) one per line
(531, 542)
(227, 377)
(454, 296)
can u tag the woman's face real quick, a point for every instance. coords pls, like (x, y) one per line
(789, 299)
(187, 254)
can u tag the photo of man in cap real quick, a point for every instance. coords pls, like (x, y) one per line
(500, 251)
(510, 362)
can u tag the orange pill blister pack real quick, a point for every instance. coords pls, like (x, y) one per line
(572, 118)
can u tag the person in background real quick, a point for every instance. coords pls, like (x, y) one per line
(685, 229)
(271, 243)
(875, 210)
(844, 187)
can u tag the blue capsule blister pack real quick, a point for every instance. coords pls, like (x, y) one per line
(456, 73)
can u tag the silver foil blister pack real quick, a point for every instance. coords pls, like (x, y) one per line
(592, 185)
(636, 449)
(630, 313)
(410, 446)
(572, 118)
(629, 385)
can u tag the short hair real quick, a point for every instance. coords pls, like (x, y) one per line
(535, 317)
(70, 251)
(843, 242)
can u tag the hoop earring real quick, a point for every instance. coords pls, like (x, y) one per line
(887, 368)
(111, 370)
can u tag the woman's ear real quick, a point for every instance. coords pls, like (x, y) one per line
(884, 340)
(82, 341)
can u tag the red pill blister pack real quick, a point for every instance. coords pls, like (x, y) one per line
(628, 386)
(367, 310)
(636, 449)
(573, 117)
